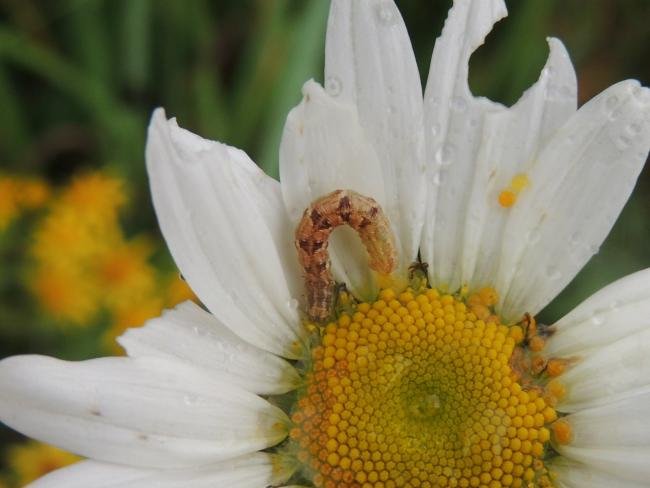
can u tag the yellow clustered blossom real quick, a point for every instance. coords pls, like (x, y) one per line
(134, 313)
(426, 389)
(84, 264)
(18, 194)
(30, 460)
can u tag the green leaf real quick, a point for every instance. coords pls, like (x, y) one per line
(136, 42)
(304, 60)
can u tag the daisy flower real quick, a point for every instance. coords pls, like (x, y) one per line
(363, 369)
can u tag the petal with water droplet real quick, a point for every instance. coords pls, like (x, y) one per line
(135, 411)
(324, 149)
(196, 337)
(220, 217)
(369, 50)
(618, 310)
(579, 183)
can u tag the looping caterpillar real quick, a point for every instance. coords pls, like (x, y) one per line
(341, 207)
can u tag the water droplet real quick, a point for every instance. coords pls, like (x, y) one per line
(293, 304)
(533, 237)
(614, 305)
(552, 273)
(434, 101)
(435, 130)
(611, 102)
(597, 320)
(566, 91)
(445, 155)
(615, 114)
(633, 129)
(333, 86)
(437, 178)
(552, 92)
(190, 399)
(458, 103)
(642, 94)
(622, 142)
(386, 14)
(575, 239)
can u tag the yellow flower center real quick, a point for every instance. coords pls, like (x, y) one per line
(421, 390)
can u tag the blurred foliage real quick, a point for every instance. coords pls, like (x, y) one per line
(79, 79)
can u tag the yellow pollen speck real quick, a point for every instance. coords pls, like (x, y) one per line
(519, 182)
(418, 389)
(507, 198)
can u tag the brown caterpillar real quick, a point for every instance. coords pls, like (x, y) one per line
(341, 207)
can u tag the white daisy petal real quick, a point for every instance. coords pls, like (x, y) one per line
(623, 423)
(91, 473)
(615, 312)
(146, 411)
(453, 121)
(625, 463)
(251, 471)
(510, 140)
(569, 474)
(615, 371)
(213, 216)
(578, 186)
(197, 338)
(369, 62)
(324, 149)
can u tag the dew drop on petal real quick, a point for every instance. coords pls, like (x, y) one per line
(614, 305)
(434, 101)
(611, 102)
(622, 142)
(386, 13)
(596, 319)
(292, 304)
(575, 239)
(552, 273)
(445, 155)
(459, 104)
(435, 130)
(333, 86)
(642, 94)
(633, 129)
(190, 400)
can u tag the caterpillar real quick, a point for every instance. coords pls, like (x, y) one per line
(340, 207)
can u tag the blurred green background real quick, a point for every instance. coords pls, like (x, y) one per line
(79, 79)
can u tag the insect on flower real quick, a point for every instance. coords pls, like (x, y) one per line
(340, 207)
